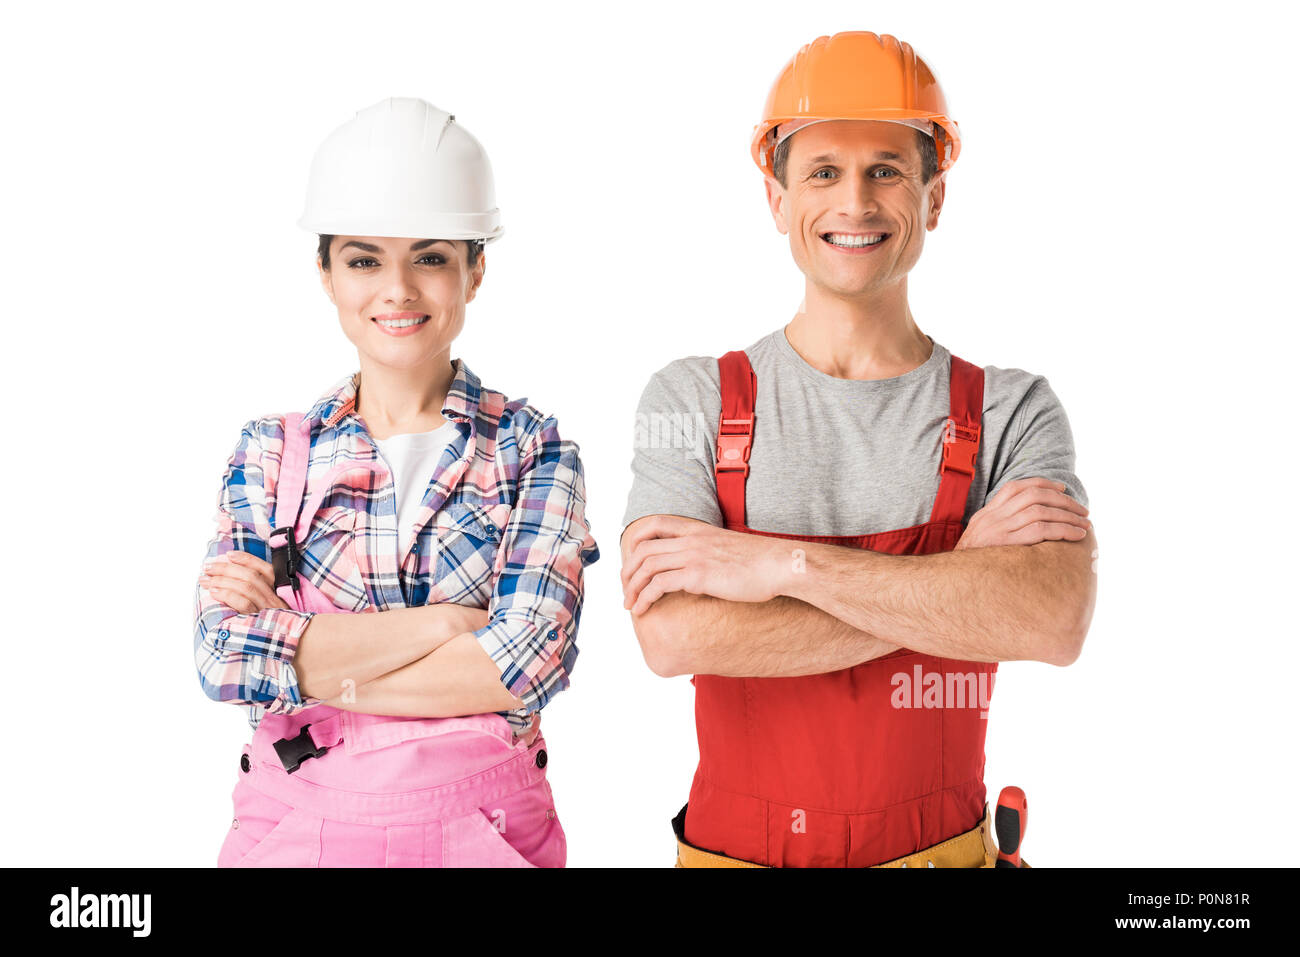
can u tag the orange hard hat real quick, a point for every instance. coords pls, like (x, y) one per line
(855, 76)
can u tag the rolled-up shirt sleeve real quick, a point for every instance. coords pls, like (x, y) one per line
(536, 603)
(246, 659)
(1043, 445)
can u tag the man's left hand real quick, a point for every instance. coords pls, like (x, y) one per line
(672, 553)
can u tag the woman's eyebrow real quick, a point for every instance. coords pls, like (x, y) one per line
(371, 248)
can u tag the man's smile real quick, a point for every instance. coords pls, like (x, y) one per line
(854, 242)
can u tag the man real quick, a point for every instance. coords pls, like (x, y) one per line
(873, 526)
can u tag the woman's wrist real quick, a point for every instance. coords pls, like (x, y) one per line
(472, 619)
(453, 619)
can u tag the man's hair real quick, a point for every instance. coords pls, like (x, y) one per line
(924, 143)
(474, 247)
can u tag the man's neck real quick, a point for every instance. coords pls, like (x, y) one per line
(858, 339)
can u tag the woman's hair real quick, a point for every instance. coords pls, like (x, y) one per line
(475, 246)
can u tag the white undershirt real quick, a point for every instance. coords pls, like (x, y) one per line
(413, 457)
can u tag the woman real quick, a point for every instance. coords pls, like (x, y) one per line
(450, 517)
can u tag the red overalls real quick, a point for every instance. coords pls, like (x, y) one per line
(827, 770)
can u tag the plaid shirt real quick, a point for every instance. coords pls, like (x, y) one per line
(501, 527)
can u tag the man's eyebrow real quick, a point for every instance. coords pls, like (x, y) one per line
(829, 157)
(371, 248)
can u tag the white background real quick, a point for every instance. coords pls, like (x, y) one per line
(1121, 220)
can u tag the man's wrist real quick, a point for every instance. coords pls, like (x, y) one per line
(806, 568)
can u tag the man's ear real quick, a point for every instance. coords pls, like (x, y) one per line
(936, 190)
(776, 203)
(326, 280)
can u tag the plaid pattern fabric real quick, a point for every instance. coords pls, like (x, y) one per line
(501, 527)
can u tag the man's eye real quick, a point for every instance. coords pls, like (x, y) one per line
(824, 169)
(886, 169)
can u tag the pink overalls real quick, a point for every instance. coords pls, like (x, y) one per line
(335, 788)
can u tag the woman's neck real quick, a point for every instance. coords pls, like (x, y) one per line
(405, 401)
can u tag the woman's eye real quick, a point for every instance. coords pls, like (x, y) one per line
(366, 262)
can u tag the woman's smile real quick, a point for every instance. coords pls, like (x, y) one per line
(400, 323)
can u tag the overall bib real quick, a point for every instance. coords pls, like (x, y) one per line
(334, 788)
(850, 768)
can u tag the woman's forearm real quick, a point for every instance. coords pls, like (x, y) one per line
(338, 652)
(458, 678)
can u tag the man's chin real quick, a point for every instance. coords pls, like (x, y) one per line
(841, 287)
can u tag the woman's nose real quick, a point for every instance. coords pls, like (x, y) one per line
(401, 286)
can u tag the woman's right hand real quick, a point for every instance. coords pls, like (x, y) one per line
(1025, 512)
(241, 581)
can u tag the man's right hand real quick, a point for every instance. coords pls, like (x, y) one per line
(1025, 512)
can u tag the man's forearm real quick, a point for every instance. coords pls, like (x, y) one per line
(683, 633)
(457, 678)
(338, 650)
(1002, 603)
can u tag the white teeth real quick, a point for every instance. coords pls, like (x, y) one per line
(843, 239)
(400, 323)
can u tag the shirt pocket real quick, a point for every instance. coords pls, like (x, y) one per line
(330, 557)
(469, 539)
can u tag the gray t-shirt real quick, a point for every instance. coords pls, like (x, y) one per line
(838, 456)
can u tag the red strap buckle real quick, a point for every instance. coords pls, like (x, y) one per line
(960, 445)
(733, 447)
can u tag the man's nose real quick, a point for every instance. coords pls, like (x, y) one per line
(863, 195)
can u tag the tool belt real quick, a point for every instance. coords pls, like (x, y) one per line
(973, 848)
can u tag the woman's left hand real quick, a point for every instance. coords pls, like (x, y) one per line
(242, 581)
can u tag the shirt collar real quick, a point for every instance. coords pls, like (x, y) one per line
(341, 400)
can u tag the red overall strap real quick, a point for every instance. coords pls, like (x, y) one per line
(961, 440)
(735, 431)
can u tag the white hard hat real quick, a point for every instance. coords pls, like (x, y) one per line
(404, 168)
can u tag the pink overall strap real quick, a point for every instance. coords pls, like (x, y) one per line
(290, 485)
(735, 431)
(961, 440)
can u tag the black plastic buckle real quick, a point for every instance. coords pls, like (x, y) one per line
(294, 751)
(284, 559)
